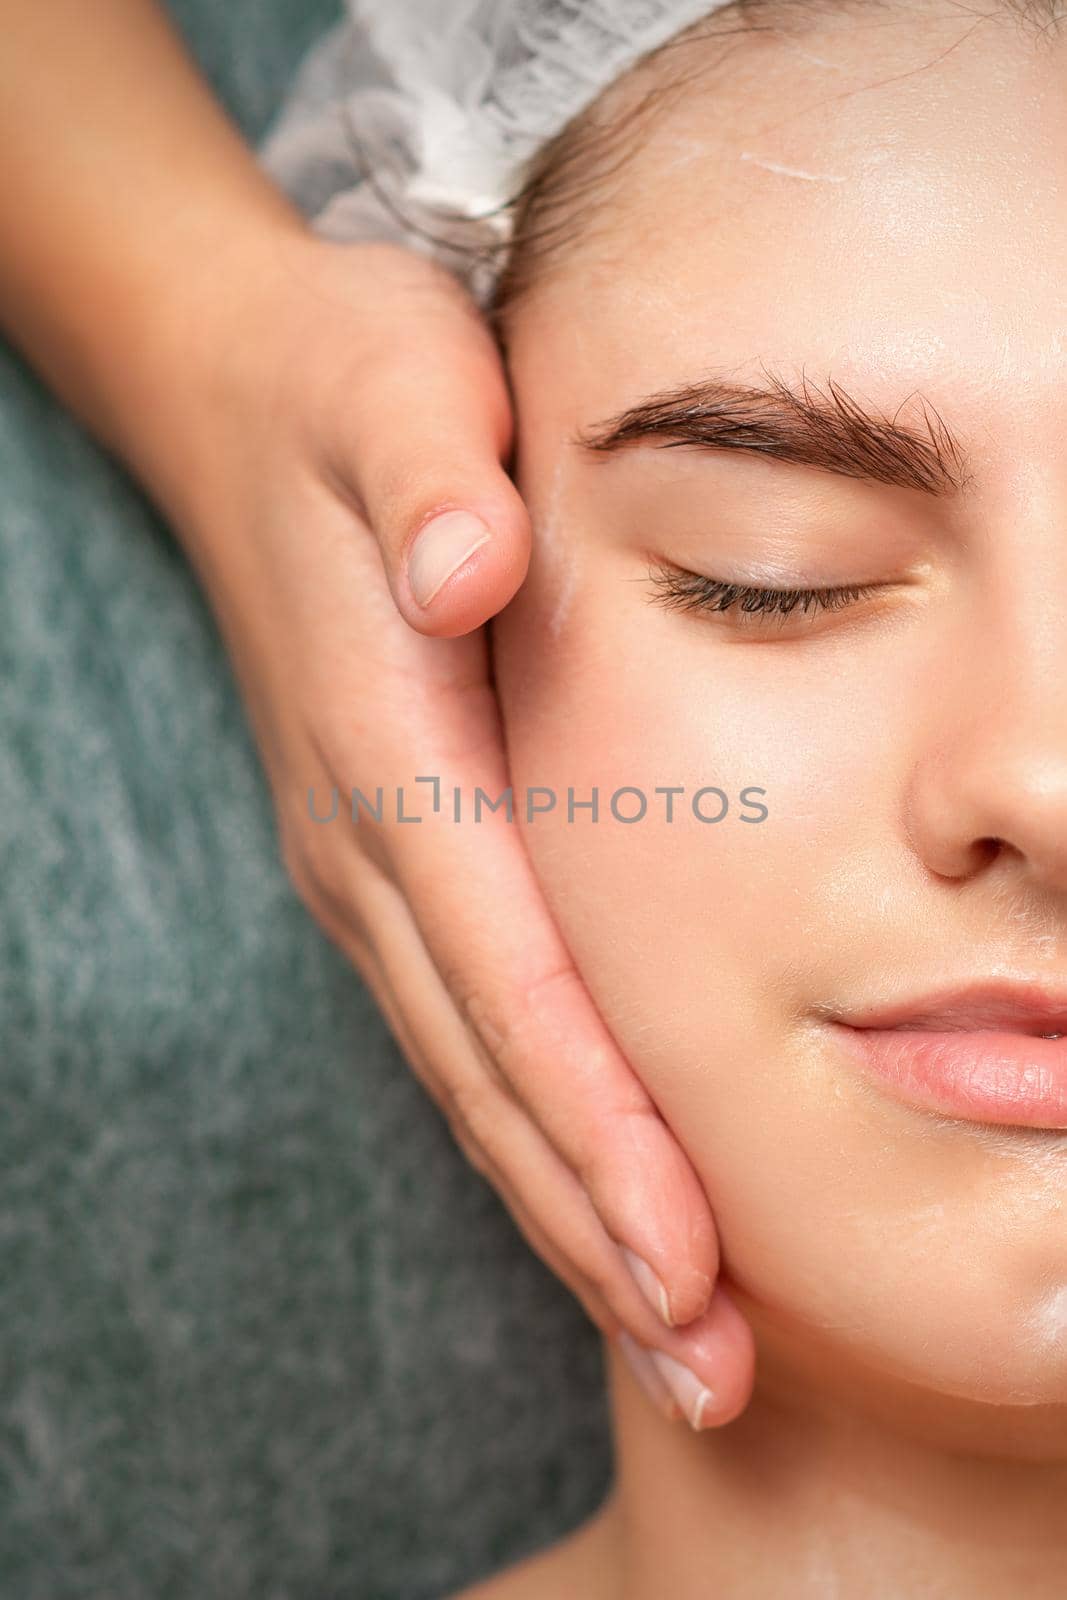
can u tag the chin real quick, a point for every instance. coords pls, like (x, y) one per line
(977, 1365)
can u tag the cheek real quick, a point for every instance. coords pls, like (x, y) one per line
(682, 890)
(702, 943)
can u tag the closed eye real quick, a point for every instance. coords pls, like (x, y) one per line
(681, 590)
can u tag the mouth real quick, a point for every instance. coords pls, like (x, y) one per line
(994, 1052)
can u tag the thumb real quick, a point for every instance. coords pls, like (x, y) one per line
(423, 446)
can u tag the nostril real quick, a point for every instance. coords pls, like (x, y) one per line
(986, 850)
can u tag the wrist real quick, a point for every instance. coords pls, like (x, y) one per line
(197, 342)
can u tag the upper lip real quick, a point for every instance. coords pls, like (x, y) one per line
(1000, 1006)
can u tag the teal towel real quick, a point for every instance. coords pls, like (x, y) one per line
(264, 1333)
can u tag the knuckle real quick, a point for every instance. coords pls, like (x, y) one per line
(538, 990)
(311, 895)
(593, 1161)
(490, 1030)
(308, 857)
(503, 1035)
(507, 1032)
(326, 877)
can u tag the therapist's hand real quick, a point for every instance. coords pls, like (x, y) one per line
(299, 410)
(334, 510)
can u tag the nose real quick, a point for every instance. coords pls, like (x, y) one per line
(990, 781)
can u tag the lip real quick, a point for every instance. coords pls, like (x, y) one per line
(975, 1052)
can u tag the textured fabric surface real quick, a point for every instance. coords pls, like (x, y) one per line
(264, 1333)
(461, 97)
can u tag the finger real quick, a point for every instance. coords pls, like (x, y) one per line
(331, 918)
(494, 1132)
(419, 440)
(585, 1292)
(492, 938)
(707, 1367)
(479, 1152)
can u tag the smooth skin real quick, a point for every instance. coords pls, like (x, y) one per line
(877, 200)
(299, 410)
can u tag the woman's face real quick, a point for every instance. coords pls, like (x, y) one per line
(880, 203)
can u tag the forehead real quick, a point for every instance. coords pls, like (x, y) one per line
(880, 197)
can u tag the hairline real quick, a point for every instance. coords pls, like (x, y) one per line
(577, 162)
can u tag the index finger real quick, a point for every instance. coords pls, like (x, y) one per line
(484, 919)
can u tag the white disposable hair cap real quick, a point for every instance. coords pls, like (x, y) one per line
(415, 120)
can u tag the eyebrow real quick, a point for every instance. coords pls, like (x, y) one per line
(802, 426)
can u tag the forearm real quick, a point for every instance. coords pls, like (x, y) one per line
(134, 218)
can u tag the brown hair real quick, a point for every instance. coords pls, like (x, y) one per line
(574, 169)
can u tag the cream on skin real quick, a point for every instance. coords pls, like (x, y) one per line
(905, 1272)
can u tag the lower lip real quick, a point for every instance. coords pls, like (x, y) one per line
(979, 1075)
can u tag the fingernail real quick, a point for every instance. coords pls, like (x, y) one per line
(643, 1368)
(692, 1395)
(441, 549)
(648, 1283)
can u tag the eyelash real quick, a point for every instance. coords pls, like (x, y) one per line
(682, 590)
